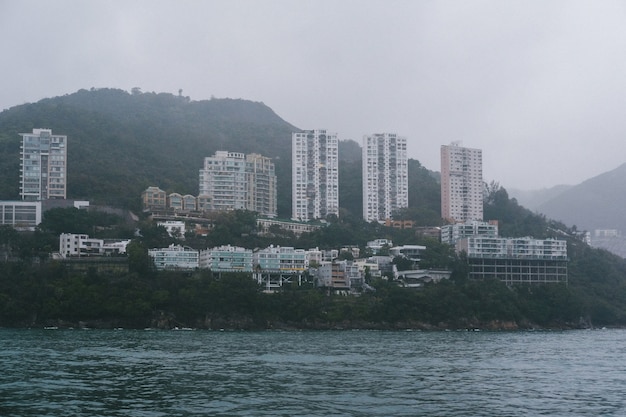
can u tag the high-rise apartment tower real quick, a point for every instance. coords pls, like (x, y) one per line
(234, 181)
(262, 196)
(385, 176)
(461, 183)
(43, 165)
(223, 177)
(315, 175)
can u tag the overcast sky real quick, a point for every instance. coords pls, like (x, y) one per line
(539, 86)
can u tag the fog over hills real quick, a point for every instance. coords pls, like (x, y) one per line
(597, 203)
(119, 143)
(533, 199)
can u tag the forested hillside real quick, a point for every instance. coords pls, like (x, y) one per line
(46, 293)
(119, 143)
(596, 203)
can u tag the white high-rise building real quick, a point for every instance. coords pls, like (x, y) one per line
(315, 175)
(43, 165)
(234, 181)
(385, 176)
(223, 177)
(461, 183)
(262, 197)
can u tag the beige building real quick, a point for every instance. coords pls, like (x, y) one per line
(262, 196)
(154, 198)
(234, 181)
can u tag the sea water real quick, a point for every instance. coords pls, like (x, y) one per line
(311, 373)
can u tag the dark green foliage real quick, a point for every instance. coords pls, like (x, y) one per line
(73, 220)
(424, 196)
(351, 188)
(515, 220)
(403, 264)
(36, 295)
(121, 143)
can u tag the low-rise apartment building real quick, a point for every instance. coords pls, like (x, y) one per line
(71, 245)
(175, 257)
(515, 260)
(21, 215)
(339, 275)
(227, 258)
(452, 233)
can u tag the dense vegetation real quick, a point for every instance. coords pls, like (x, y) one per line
(121, 143)
(46, 293)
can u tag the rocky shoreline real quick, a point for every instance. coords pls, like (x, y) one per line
(163, 321)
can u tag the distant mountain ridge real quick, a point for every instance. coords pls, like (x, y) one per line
(597, 203)
(532, 199)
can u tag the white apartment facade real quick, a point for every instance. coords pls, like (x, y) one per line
(175, 228)
(21, 215)
(234, 181)
(175, 257)
(284, 259)
(385, 176)
(452, 233)
(223, 177)
(339, 275)
(515, 260)
(43, 165)
(226, 258)
(461, 183)
(71, 245)
(261, 178)
(315, 175)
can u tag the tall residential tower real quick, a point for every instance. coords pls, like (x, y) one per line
(461, 183)
(315, 175)
(262, 196)
(234, 181)
(223, 177)
(385, 176)
(43, 166)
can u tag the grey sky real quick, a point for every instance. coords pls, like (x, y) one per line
(540, 86)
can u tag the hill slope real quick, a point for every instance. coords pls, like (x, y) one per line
(532, 199)
(597, 203)
(120, 143)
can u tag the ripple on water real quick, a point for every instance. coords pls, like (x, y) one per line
(364, 373)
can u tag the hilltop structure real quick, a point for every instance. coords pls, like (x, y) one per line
(315, 175)
(385, 176)
(461, 183)
(43, 165)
